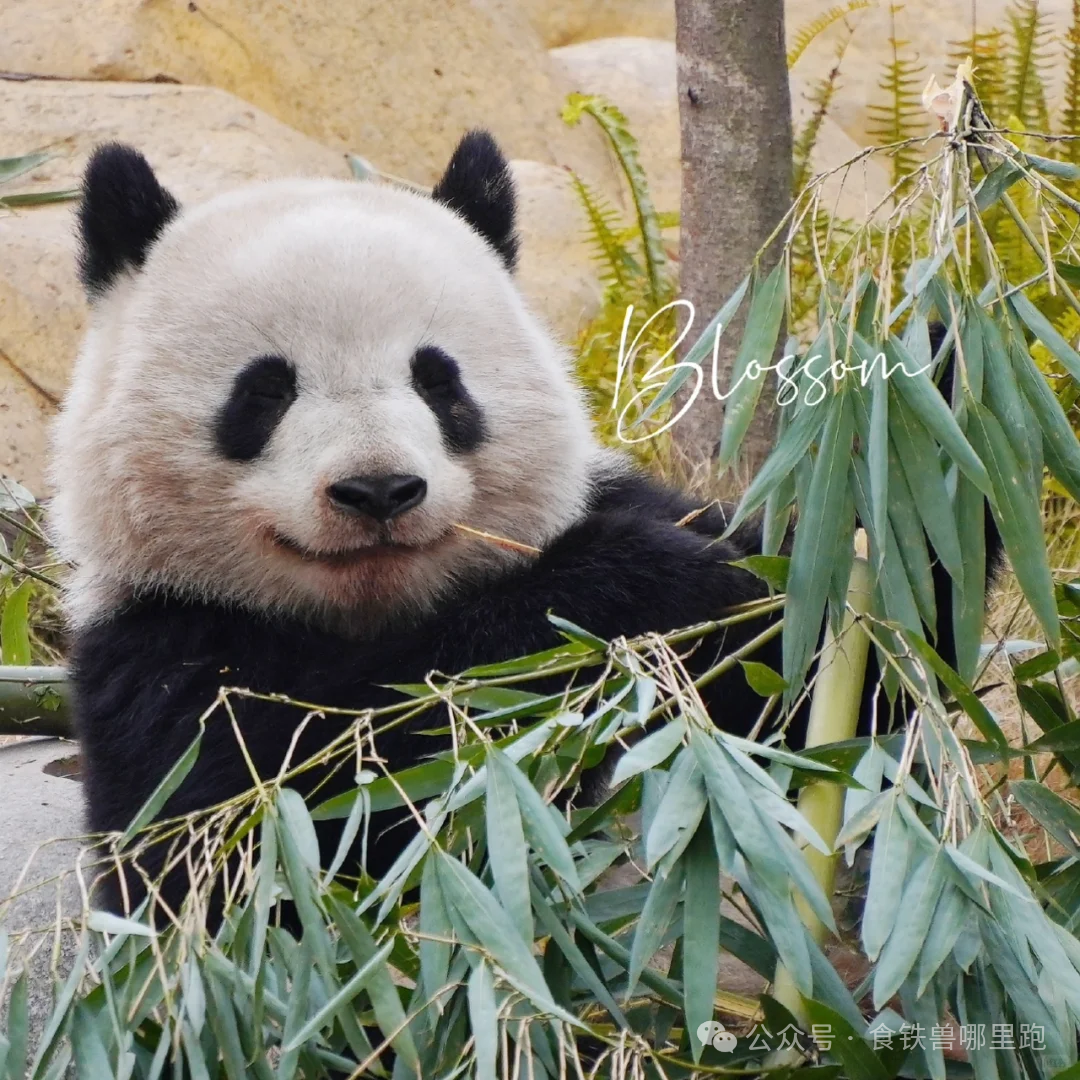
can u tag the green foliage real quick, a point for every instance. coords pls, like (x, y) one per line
(900, 119)
(639, 283)
(986, 49)
(12, 168)
(29, 618)
(1070, 111)
(807, 34)
(1028, 64)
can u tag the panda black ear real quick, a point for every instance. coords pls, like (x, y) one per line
(478, 185)
(122, 213)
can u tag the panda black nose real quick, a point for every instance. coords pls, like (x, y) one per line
(380, 497)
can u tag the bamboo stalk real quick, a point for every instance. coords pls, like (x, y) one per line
(35, 701)
(834, 716)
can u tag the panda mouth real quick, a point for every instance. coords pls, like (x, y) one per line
(343, 557)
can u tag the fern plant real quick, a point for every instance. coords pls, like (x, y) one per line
(637, 273)
(807, 34)
(1028, 63)
(900, 118)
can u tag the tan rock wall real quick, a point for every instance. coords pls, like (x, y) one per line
(395, 82)
(200, 140)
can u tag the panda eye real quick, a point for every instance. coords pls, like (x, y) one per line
(437, 379)
(260, 397)
(433, 372)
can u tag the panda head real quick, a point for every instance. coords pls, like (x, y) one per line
(291, 395)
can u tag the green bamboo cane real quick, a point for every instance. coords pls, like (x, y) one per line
(35, 701)
(834, 716)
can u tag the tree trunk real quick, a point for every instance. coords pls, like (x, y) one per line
(735, 113)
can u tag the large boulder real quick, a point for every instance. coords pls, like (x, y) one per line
(200, 140)
(566, 22)
(637, 75)
(397, 83)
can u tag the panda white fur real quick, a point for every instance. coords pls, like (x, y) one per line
(288, 399)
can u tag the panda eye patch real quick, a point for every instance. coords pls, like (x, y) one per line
(261, 395)
(433, 370)
(436, 377)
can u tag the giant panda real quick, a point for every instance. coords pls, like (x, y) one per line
(288, 399)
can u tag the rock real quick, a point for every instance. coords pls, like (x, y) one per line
(200, 140)
(41, 815)
(396, 83)
(25, 412)
(565, 22)
(637, 75)
(556, 272)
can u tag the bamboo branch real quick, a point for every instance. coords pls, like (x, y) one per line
(35, 701)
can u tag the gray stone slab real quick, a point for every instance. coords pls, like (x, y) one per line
(41, 817)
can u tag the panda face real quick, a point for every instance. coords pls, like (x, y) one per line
(292, 395)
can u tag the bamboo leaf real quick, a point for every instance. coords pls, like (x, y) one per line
(877, 454)
(539, 825)
(506, 845)
(1016, 510)
(699, 352)
(758, 343)
(163, 792)
(436, 928)
(491, 926)
(916, 909)
(1004, 401)
(656, 916)
(15, 626)
(484, 1019)
(888, 871)
(816, 542)
(1042, 328)
(919, 459)
(791, 448)
(701, 932)
(649, 752)
(980, 715)
(904, 519)
(38, 198)
(928, 405)
(574, 956)
(948, 921)
(223, 1023)
(969, 599)
(681, 808)
(772, 569)
(1060, 818)
(91, 1058)
(62, 1005)
(762, 679)
(379, 985)
(785, 928)
(18, 1028)
(12, 167)
(859, 1061)
(339, 1001)
(1059, 439)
